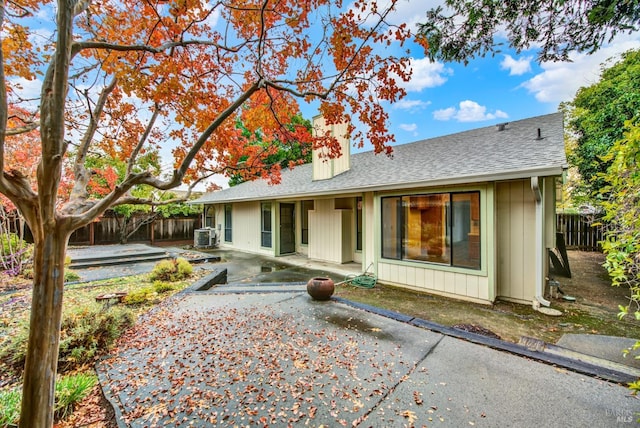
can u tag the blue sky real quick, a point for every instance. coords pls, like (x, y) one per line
(445, 98)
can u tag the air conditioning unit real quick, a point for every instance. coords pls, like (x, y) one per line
(204, 238)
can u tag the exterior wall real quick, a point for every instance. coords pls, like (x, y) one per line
(507, 245)
(245, 228)
(515, 217)
(549, 189)
(468, 284)
(330, 232)
(324, 167)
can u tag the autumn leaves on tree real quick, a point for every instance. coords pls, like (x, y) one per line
(119, 79)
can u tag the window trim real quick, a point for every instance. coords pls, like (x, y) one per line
(228, 223)
(304, 220)
(264, 232)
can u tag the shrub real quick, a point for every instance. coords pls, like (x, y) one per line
(86, 332)
(184, 268)
(70, 390)
(161, 287)
(11, 242)
(162, 271)
(14, 253)
(70, 275)
(10, 406)
(171, 270)
(139, 296)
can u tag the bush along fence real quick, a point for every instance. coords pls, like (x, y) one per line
(581, 231)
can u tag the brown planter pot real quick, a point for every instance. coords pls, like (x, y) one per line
(320, 288)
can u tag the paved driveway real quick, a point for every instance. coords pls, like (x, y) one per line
(282, 359)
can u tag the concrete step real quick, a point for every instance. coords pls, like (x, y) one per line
(111, 261)
(109, 255)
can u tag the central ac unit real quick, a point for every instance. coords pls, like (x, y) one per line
(204, 238)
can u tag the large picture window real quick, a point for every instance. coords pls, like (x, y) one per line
(437, 228)
(266, 225)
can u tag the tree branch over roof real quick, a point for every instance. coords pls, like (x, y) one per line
(462, 29)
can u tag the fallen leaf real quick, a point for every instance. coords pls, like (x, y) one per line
(410, 416)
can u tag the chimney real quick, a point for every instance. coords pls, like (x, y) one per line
(323, 166)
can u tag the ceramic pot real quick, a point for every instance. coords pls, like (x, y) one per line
(320, 288)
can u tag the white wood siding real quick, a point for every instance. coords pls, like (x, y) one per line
(245, 232)
(461, 285)
(515, 240)
(330, 232)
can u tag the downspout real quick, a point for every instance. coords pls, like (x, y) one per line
(539, 246)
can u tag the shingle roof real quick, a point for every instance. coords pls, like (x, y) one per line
(478, 155)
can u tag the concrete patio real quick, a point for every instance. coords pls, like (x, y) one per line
(259, 350)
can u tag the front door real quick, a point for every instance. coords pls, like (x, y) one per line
(287, 229)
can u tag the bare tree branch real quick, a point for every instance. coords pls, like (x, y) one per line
(79, 192)
(143, 138)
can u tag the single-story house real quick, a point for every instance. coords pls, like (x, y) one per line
(469, 215)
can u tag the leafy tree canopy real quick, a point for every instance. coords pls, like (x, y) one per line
(279, 154)
(464, 29)
(622, 216)
(597, 116)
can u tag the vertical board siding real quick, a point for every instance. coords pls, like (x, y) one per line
(245, 223)
(435, 280)
(515, 240)
(330, 232)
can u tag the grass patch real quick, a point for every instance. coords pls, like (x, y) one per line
(10, 400)
(70, 390)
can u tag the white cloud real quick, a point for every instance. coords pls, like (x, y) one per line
(411, 12)
(445, 114)
(426, 74)
(516, 67)
(406, 104)
(559, 81)
(406, 11)
(26, 89)
(409, 127)
(468, 111)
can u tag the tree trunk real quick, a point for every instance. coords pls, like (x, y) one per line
(124, 225)
(44, 331)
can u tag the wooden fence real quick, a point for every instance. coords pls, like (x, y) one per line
(579, 232)
(157, 232)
